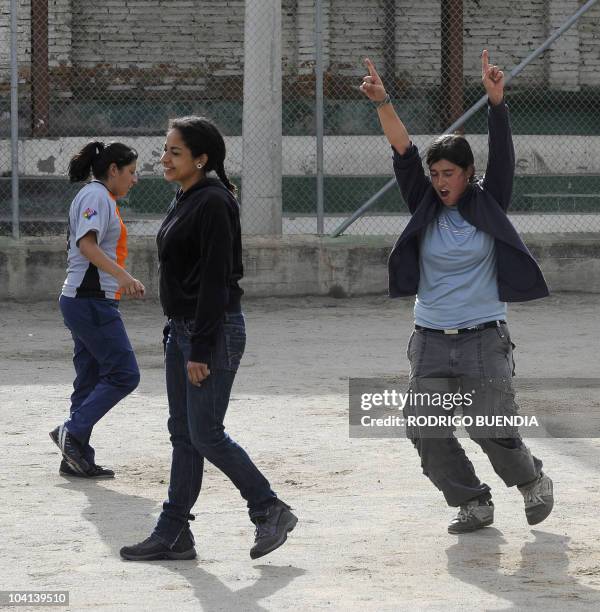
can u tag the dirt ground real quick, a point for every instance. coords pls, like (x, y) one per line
(372, 530)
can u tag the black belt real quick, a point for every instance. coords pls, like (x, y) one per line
(463, 330)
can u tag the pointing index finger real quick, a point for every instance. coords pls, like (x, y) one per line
(485, 62)
(371, 68)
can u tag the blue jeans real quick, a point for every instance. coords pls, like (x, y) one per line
(196, 415)
(105, 365)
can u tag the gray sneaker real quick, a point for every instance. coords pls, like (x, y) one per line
(539, 498)
(473, 515)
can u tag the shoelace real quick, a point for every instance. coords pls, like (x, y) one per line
(464, 513)
(533, 495)
(263, 528)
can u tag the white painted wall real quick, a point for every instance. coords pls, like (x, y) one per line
(344, 155)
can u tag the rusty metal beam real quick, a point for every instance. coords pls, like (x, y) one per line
(389, 46)
(40, 78)
(452, 76)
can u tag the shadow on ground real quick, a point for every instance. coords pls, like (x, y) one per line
(540, 581)
(116, 528)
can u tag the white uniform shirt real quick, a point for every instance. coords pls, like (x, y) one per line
(94, 209)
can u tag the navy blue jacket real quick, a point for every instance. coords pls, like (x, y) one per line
(484, 205)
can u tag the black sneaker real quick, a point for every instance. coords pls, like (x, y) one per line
(96, 471)
(473, 515)
(272, 529)
(71, 449)
(153, 550)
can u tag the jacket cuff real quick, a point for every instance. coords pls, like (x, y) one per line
(502, 107)
(200, 352)
(402, 160)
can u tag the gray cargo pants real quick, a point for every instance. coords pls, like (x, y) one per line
(480, 361)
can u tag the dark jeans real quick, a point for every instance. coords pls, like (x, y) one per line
(478, 360)
(196, 415)
(105, 365)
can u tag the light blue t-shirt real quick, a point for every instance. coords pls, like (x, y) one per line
(458, 285)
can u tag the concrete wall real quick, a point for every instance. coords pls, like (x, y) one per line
(156, 43)
(33, 269)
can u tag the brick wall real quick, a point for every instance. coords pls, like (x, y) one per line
(59, 32)
(23, 37)
(589, 48)
(145, 33)
(59, 35)
(510, 29)
(160, 43)
(418, 41)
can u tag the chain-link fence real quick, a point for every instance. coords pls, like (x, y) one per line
(429, 60)
(122, 69)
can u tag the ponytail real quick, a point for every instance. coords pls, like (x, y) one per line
(220, 170)
(80, 165)
(96, 157)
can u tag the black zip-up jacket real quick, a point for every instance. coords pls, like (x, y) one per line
(200, 260)
(484, 205)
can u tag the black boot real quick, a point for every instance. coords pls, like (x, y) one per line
(272, 529)
(153, 550)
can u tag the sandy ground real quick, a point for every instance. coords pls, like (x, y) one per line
(372, 531)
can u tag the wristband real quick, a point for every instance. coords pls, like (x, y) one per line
(386, 100)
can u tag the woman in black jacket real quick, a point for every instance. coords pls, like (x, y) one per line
(200, 259)
(464, 260)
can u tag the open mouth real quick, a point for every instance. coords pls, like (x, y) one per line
(444, 193)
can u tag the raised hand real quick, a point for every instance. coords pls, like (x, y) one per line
(492, 78)
(372, 86)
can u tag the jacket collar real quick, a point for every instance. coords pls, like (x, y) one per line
(207, 181)
(465, 197)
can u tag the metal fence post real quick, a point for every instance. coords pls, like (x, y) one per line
(262, 119)
(319, 114)
(40, 74)
(14, 120)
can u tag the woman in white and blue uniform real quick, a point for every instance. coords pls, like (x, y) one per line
(105, 365)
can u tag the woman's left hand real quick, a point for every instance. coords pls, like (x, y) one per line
(493, 79)
(197, 372)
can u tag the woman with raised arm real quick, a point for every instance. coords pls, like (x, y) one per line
(105, 365)
(200, 266)
(463, 259)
